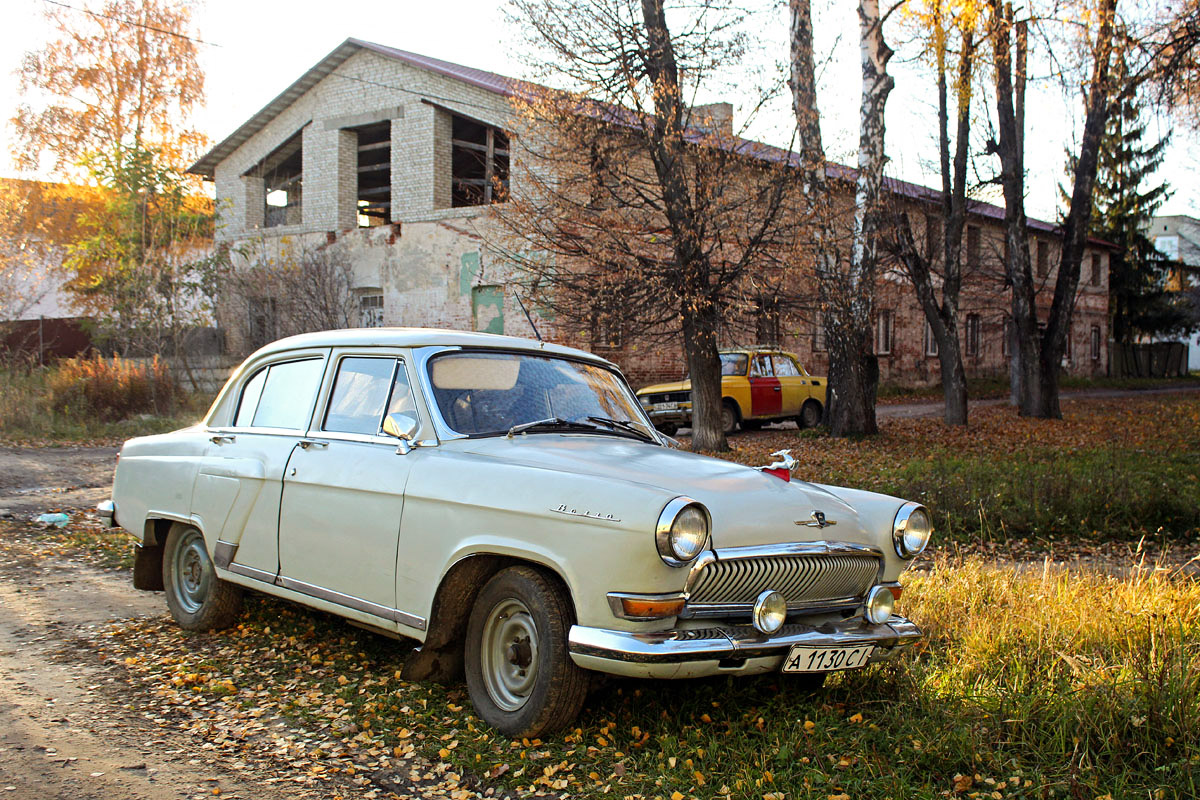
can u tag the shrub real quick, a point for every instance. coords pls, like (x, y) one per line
(112, 389)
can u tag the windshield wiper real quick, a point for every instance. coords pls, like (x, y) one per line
(628, 426)
(551, 423)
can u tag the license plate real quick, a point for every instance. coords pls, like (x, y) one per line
(666, 406)
(826, 659)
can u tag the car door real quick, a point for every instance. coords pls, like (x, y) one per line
(239, 480)
(766, 397)
(793, 386)
(343, 491)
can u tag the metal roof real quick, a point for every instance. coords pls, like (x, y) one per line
(507, 87)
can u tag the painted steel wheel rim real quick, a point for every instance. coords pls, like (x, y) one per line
(192, 571)
(509, 652)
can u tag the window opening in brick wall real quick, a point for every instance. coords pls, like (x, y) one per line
(1006, 344)
(479, 164)
(820, 339)
(370, 310)
(374, 194)
(974, 247)
(931, 344)
(973, 335)
(1043, 258)
(260, 321)
(1095, 343)
(283, 182)
(883, 333)
(933, 236)
(1095, 269)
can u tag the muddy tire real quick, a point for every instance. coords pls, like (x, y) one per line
(519, 673)
(198, 599)
(810, 415)
(729, 416)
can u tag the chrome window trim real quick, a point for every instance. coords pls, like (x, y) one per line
(662, 530)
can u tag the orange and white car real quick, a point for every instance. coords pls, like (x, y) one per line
(758, 385)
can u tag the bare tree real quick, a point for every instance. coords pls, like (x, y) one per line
(847, 285)
(939, 262)
(637, 213)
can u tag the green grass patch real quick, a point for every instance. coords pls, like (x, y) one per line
(1031, 684)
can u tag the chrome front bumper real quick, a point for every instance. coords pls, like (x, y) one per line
(734, 649)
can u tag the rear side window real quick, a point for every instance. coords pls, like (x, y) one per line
(281, 396)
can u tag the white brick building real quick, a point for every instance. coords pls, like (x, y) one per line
(389, 160)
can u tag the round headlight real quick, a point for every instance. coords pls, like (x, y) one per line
(880, 602)
(770, 612)
(911, 530)
(682, 531)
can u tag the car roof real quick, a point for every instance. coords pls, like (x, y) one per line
(756, 350)
(420, 337)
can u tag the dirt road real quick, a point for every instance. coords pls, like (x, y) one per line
(69, 726)
(36, 479)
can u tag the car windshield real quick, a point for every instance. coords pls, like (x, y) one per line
(482, 394)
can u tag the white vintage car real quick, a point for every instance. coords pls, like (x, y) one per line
(507, 504)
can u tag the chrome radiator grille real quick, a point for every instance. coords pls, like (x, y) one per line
(802, 579)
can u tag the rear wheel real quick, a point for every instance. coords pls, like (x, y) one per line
(198, 599)
(729, 416)
(519, 673)
(810, 415)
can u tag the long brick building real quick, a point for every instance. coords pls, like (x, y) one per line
(386, 160)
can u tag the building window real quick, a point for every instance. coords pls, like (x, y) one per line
(283, 182)
(820, 339)
(972, 335)
(931, 343)
(1043, 258)
(370, 310)
(374, 194)
(479, 164)
(1095, 269)
(260, 322)
(933, 235)
(1006, 344)
(883, 333)
(606, 321)
(1095, 343)
(974, 246)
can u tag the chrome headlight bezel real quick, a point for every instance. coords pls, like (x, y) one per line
(880, 605)
(664, 538)
(905, 548)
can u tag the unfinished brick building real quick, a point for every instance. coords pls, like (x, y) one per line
(387, 161)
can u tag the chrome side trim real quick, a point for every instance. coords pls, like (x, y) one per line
(350, 601)
(735, 642)
(223, 554)
(251, 572)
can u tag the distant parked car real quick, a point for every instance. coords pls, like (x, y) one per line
(507, 504)
(758, 385)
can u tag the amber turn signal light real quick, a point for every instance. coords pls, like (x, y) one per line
(651, 608)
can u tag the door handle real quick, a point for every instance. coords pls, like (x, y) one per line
(314, 443)
(778, 389)
(222, 438)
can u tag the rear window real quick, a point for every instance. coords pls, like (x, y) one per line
(281, 395)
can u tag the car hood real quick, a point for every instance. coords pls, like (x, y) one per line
(748, 507)
(658, 388)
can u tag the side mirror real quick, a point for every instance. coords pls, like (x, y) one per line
(403, 427)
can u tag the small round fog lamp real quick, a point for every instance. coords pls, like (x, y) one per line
(880, 603)
(770, 612)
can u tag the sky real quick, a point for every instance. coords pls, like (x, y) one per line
(257, 48)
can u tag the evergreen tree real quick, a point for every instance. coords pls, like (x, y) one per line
(1126, 200)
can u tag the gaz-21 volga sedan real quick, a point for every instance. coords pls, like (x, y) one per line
(508, 504)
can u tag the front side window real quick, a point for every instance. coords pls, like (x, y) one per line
(785, 367)
(286, 398)
(483, 394)
(366, 388)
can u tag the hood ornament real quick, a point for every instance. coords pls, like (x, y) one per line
(817, 520)
(782, 468)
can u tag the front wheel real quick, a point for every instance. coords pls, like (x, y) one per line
(519, 673)
(198, 599)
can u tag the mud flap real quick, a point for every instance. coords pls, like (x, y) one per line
(148, 567)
